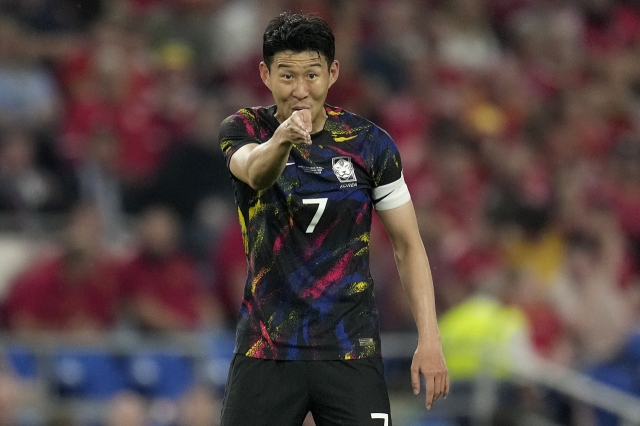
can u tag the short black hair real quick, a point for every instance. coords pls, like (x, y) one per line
(298, 33)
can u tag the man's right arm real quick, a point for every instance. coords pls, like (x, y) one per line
(260, 165)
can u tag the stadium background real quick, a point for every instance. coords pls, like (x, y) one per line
(518, 123)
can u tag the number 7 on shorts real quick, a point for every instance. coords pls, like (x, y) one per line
(383, 416)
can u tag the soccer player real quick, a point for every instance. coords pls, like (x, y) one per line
(306, 177)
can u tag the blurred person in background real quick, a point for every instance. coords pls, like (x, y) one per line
(199, 407)
(126, 409)
(71, 288)
(229, 265)
(188, 180)
(26, 187)
(110, 79)
(308, 267)
(597, 311)
(349, 90)
(161, 287)
(485, 338)
(177, 95)
(464, 37)
(14, 394)
(99, 182)
(29, 97)
(51, 17)
(622, 191)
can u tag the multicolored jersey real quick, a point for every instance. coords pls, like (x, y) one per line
(309, 292)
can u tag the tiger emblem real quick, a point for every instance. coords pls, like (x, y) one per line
(343, 169)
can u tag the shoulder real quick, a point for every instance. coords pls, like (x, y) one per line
(249, 115)
(341, 115)
(343, 121)
(42, 272)
(243, 114)
(251, 122)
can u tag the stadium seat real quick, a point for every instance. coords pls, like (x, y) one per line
(22, 361)
(631, 350)
(220, 348)
(87, 373)
(616, 375)
(161, 374)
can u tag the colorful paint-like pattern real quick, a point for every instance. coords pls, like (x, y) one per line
(309, 293)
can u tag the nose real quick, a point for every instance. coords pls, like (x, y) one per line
(300, 89)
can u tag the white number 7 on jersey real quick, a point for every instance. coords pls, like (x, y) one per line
(322, 203)
(383, 416)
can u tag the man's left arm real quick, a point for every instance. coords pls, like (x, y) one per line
(415, 274)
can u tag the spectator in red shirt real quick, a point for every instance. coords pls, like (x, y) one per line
(110, 82)
(624, 191)
(229, 263)
(74, 289)
(161, 286)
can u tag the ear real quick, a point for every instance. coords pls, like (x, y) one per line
(334, 71)
(265, 75)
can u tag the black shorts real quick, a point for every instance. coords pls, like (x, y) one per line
(280, 393)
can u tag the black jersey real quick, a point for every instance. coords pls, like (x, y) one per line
(309, 293)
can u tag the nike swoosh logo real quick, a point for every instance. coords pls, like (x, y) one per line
(290, 164)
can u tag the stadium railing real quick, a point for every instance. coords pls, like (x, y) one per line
(64, 370)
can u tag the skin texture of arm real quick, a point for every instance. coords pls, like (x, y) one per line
(415, 274)
(260, 165)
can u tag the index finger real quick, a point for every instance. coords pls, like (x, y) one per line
(306, 119)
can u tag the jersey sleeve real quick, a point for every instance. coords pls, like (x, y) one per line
(237, 131)
(390, 190)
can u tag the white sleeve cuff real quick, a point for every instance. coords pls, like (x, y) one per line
(391, 195)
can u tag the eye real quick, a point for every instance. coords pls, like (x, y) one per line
(313, 75)
(287, 76)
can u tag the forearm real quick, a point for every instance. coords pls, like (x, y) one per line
(265, 162)
(260, 165)
(415, 275)
(154, 315)
(413, 268)
(428, 359)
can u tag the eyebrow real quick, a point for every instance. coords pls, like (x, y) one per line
(315, 64)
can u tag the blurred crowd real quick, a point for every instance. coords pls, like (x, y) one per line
(518, 122)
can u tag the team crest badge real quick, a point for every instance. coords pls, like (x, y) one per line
(343, 169)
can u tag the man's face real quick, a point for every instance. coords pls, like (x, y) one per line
(300, 80)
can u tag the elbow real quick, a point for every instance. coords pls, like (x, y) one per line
(262, 178)
(257, 187)
(257, 183)
(399, 258)
(402, 251)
